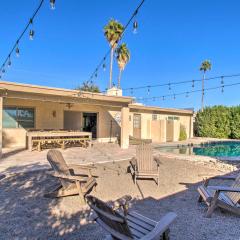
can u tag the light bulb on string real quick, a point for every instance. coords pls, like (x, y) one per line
(52, 4)
(131, 91)
(135, 27)
(222, 81)
(193, 83)
(222, 89)
(3, 70)
(104, 67)
(154, 99)
(148, 90)
(9, 61)
(169, 86)
(17, 50)
(163, 98)
(31, 32)
(187, 94)
(174, 97)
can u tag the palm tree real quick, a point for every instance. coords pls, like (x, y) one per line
(123, 57)
(205, 66)
(113, 31)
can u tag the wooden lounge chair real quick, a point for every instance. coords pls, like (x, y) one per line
(226, 198)
(125, 225)
(144, 165)
(70, 183)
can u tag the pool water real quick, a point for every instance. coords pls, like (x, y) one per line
(217, 149)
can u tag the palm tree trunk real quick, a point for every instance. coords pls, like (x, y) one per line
(203, 91)
(111, 67)
(119, 77)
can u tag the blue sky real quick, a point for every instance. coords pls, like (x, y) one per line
(173, 38)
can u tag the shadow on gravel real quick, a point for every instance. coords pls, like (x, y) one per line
(26, 214)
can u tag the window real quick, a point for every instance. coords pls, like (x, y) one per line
(14, 117)
(173, 118)
(136, 121)
(154, 117)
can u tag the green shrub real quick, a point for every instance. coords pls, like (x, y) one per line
(182, 134)
(235, 122)
(218, 122)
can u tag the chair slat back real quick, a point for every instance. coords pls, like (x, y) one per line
(108, 216)
(58, 164)
(235, 197)
(144, 157)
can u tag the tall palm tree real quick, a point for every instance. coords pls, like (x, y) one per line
(113, 31)
(123, 57)
(205, 66)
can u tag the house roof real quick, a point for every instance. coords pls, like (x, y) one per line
(160, 110)
(42, 93)
(65, 94)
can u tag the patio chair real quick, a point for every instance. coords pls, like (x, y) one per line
(125, 225)
(144, 165)
(70, 183)
(226, 198)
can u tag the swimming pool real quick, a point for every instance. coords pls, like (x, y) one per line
(213, 149)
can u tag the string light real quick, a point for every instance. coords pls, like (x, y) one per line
(9, 61)
(193, 91)
(131, 91)
(124, 30)
(104, 67)
(15, 48)
(31, 32)
(169, 86)
(193, 83)
(135, 27)
(222, 81)
(148, 90)
(52, 4)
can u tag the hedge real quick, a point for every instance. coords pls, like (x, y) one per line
(218, 122)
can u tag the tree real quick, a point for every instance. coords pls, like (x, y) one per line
(123, 57)
(88, 87)
(205, 66)
(112, 31)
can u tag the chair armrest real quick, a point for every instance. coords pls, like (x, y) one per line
(233, 177)
(69, 177)
(157, 160)
(161, 226)
(123, 203)
(75, 166)
(224, 189)
(207, 180)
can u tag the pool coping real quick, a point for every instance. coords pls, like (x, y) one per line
(222, 163)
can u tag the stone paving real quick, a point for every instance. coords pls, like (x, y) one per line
(21, 160)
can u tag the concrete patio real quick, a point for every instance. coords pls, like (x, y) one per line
(21, 160)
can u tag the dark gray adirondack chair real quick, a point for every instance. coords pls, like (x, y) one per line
(144, 165)
(227, 198)
(70, 183)
(126, 225)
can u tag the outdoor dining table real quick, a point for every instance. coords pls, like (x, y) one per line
(37, 140)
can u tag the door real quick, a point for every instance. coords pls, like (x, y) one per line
(137, 125)
(90, 123)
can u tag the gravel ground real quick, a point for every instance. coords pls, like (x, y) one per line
(26, 214)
